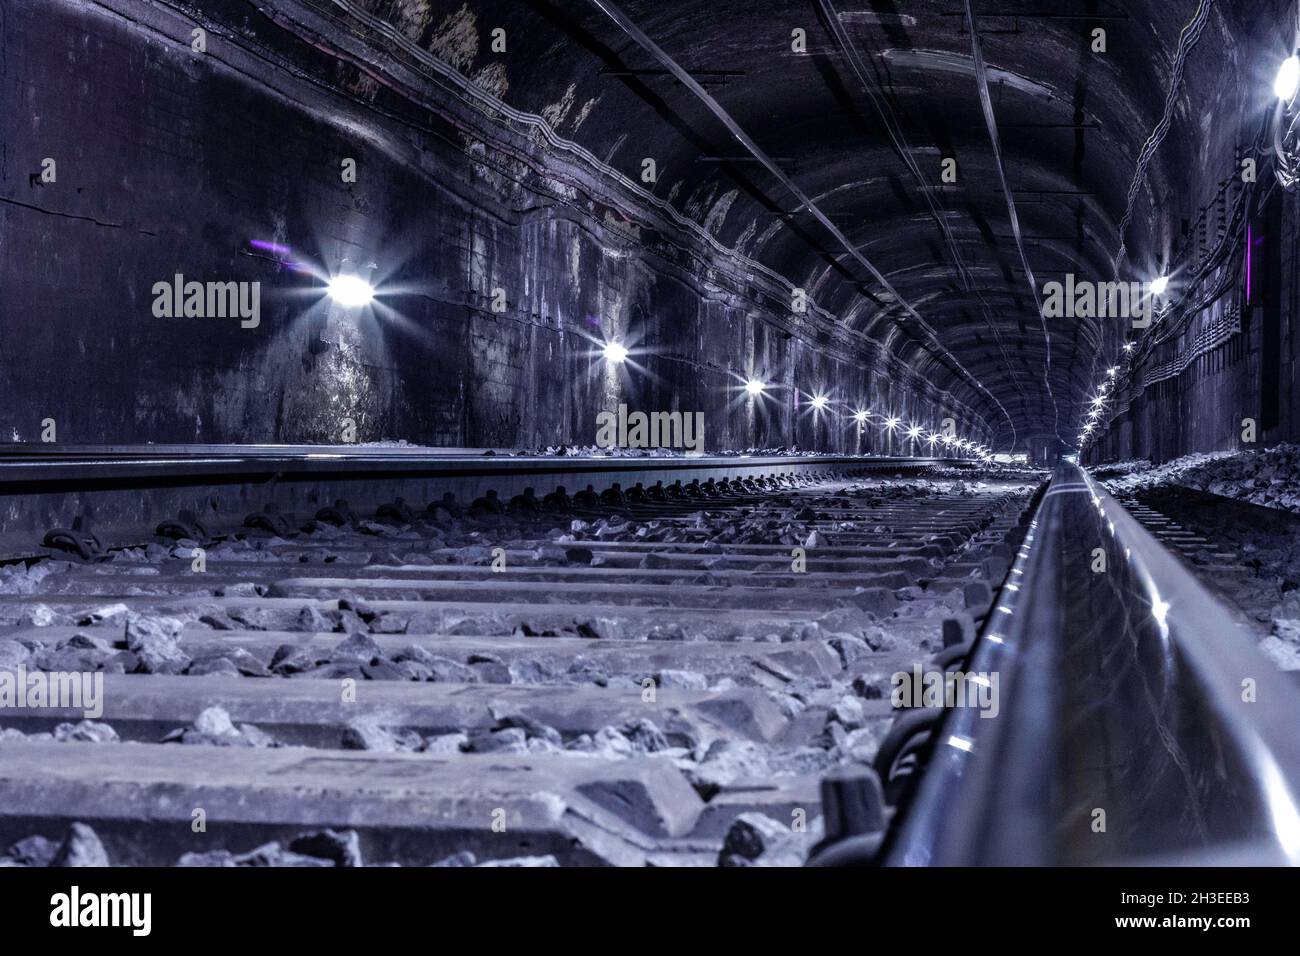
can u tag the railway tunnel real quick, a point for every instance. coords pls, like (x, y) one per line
(565, 433)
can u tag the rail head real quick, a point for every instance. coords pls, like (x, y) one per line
(977, 763)
(28, 468)
(125, 490)
(1252, 709)
(1137, 722)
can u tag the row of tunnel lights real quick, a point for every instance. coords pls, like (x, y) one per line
(616, 353)
(353, 292)
(1285, 87)
(1098, 401)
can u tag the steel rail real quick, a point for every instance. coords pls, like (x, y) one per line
(87, 466)
(126, 491)
(1137, 723)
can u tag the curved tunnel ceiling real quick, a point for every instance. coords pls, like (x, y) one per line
(862, 121)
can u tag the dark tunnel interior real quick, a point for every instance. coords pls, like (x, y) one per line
(863, 202)
(650, 433)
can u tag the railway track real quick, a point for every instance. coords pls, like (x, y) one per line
(1139, 722)
(688, 663)
(1243, 553)
(657, 671)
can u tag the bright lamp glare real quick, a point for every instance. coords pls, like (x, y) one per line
(1159, 284)
(891, 422)
(819, 402)
(350, 291)
(1288, 78)
(754, 387)
(860, 416)
(614, 352)
(914, 431)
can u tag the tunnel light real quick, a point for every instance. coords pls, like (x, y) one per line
(755, 387)
(819, 402)
(1288, 78)
(614, 352)
(1159, 284)
(350, 292)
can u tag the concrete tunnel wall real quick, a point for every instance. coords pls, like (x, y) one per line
(186, 178)
(1194, 391)
(1206, 406)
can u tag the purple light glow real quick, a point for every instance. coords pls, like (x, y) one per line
(1249, 243)
(262, 244)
